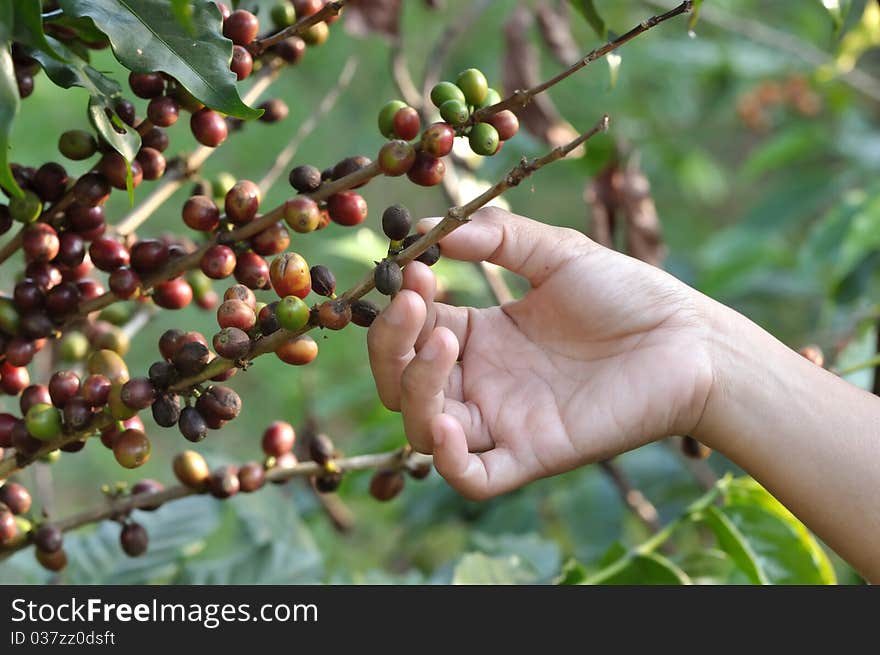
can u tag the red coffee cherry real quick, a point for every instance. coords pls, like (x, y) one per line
(40, 242)
(272, 240)
(95, 390)
(290, 275)
(307, 7)
(208, 127)
(347, 208)
(274, 110)
(125, 283)
(251, 476)
(163, 111)
(386, 485)
(71, 249)
(108, 254)
(15, 497)
(152, 163)
(192, 425)
(173, 294)
(146, 85)
(506, 123)
(252, 271)
(147, 486)
(191, 358)
(134, 539)
(278, 439)
(218, 262)
(52, 561)
(241, 27)
(232, 343)
(20, 351)
(290, 49)
(85, 219)
(242, 202)
(438, 139)
(138, 393)
(91, 190)
(13, 379)
(396, 158)
(62, 300)
(298, 351)
(50, 182)
(242, 63)
(48, 538)
(126, 112)
(148, 255)
(351, 165)
(155, 138)
(305, 178)
(63, 385)
(221, 402)
(427, 170)
(334, 314)
(406, 123)
(223, 482)
(112, 166)
(170, 341)
(243, 293)
(237, 314)
(34, 394)
(302, 214)
(200, 213)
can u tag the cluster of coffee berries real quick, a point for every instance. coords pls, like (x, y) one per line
(396, 224)
(756, 107)
(348, 208)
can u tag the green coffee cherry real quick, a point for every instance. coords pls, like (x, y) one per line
(283, 15)
(455, 112)
(473, 84)
(74, 346)
(26, 209)
(221, 184)
(386, 117)
(492, 98)
(446, 91)
(483, 139)
(43, 422)
(292, 313)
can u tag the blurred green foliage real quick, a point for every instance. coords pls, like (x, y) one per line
(781, 222)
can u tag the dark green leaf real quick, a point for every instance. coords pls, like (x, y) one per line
(587, 9)
(9, 103)
(734, 544)
(146, 37)
(103, 92)
(83, 27)
(573, 572)
(646, 569)
(28, 26)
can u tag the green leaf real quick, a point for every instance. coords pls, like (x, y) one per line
(9, 103)
(802, 552)
(695, 15)
(83, 27)
(480, 569)
(28, 26)
(587, 9)
(573, 572)
(183, 12)
(146, 37)
(103, 92)
(643, 569)
(734, 543)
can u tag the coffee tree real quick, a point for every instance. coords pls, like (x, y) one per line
(206, 67)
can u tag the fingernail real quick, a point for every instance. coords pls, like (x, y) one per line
(430, 350)
(426, 224)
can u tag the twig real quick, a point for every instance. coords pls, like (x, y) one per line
(635, 500)
(402, 458)
(402, 77)
(282, 161)
(520, 98)
(260, 46)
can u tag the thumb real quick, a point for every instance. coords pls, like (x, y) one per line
(531, 249)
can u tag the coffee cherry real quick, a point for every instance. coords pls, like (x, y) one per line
(406, 123)
(473, 84)
(290, 49)
(232, 343)
(427, 170)
(290, 275)
(43, 422)
(302, 214)
(191, 358)
(5, 219)
(20, 351)
(694, 449)
(274, 110)
(386, 117)
(16, 498)
(52, 561)
(386, 485)
(28, 296)
(220, 401)
(267, 319)
(138, 393)
(107, 254)
(455, 112)
(283, 15)
(445, 91)
(327, 483)
(148, 255)
(241, 27)
(388, 277)
(218, 262)
(7, 425)
(192, 425)
(242, 202)
(13, 379)
(364, 312)
(396, 222)
(431, 254)
(163, 111)
(152, 163)
(292, 313)
(63, 385)
(208, 127)
(396, 158)
(298, 351)
(146, 85)
(347, 208)
(34, 394)
(252, 270)
(170, 341)
(113, 167)
(124, 282)
(278, 439)
(25, 84)
(108, 364)
(305, 178)
(223, 482)
(62, 300)
(48, 538)
(173, 294)
(419, 471)
(271, 241)
(483, 139)
(91, 190)
(147, 487)
(95, 390)
(36, 325)
(323, 281)
(26, 209)
(166, 410)
(50, 182)
(334, 314)
(237, 314)
(77, 145)
(118, 409)
(86, 220)
(242, 63)
(505, 123)
(200, 213)
(306, 8)
(492, 98)
(8, 527)
(134, 539)
(321, 449)
(241, 292)
(349, 166)
(40, 242)
(316, 34)
(251, 476)
(155, 138)
(126, 112)
(71, 249)
(191, 469)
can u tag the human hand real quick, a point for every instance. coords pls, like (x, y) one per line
(603, 354)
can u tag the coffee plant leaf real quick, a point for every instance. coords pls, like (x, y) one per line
(9, 104)
(480, 569)
(735, 544)
(183, 12)
(543, 555)
(587, 9)
(573, 572)
(146, 37)
(641, 569)
(28, 27)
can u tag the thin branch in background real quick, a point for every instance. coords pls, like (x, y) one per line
(282, 161)
(634, 499)
(329, 10)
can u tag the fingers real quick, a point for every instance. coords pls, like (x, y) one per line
(390, 342)
(526, 247)
(474, 476)
(422, 384)
(419, 278)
